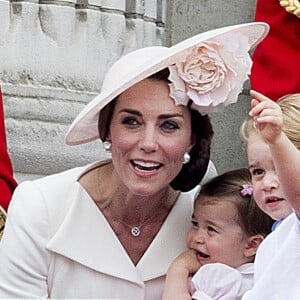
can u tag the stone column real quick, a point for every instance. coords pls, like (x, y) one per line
(53, 55)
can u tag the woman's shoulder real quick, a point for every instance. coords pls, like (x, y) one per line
(53, 192)
(46, 201)
(50, 184)
(58, 182)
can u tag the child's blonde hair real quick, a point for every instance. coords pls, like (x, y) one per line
(290, 106)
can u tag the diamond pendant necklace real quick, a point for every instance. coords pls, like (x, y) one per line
(135, 230)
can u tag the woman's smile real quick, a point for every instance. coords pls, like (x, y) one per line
(145, 166)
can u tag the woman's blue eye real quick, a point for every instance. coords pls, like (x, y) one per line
(130, 121)
(170, 125)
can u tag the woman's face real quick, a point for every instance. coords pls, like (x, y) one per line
(267, 191)
(149, 135)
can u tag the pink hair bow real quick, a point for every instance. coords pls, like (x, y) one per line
(247, 189)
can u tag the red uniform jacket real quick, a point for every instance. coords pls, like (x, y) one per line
(276, 60)
(7, 181)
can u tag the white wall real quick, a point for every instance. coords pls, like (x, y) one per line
(52, 60)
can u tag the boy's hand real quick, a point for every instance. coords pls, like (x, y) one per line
(267, 116)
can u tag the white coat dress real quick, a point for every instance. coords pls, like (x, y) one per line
(57, 244)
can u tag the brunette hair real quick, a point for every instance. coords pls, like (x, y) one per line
(229, 186)
(191, 173)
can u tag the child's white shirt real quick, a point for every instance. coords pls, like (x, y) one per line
(219, 281)
(277, 264)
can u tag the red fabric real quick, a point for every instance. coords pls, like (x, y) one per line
(7, 181)
(276, 60)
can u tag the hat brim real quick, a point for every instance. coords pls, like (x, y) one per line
(85, 126)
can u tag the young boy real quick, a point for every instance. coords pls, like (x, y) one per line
(273, 140)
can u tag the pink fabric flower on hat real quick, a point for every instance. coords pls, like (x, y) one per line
(212, 74)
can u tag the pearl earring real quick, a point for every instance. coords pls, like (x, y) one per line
(107, 146)
(186, 158)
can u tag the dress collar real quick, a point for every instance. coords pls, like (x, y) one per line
(85, 236)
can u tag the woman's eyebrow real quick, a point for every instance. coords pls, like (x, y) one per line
(162, 116)
(173, 115)
(131, 111)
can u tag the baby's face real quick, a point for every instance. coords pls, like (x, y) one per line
(267, 190)
(216, 234)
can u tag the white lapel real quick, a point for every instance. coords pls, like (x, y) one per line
(170, 241)
(79, 238)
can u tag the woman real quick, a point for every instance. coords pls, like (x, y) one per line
(110, 230)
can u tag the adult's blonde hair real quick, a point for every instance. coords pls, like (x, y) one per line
(290, 106)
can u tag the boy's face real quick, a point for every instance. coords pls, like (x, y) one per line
(266, 186)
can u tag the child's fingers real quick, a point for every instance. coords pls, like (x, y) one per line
(257, 107)
(260, 103)
(254, 102)
(269, 119)
(258, 96)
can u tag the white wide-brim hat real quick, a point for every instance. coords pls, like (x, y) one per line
(142, 63)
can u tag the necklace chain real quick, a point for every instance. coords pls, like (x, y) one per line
(135, 230)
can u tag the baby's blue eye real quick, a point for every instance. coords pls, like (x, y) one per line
(210, 228)
(257, 172)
